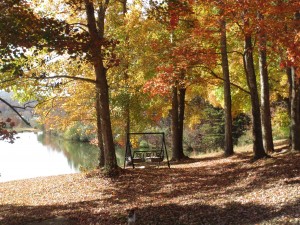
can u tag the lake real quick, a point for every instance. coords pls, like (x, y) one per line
(36, 154)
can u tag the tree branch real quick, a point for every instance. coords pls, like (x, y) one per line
(12, 107)
(220, 78)
(26, 105)
(69, 77)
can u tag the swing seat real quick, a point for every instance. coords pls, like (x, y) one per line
(154, 159)
(147, 156)
(148, 151)
(154, 156)
(138, 157)
(138, 160)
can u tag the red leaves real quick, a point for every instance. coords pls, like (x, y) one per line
(5, 134)
(174, 20)
(160, 85)
(181, 57)
(177, 9)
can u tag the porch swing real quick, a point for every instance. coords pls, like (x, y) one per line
(148, 147)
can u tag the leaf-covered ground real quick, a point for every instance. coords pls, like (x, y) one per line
(205, 190)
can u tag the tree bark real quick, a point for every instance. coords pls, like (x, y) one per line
(265, 94)
(295, 104)
(175, 125)
(96, 37)
(178, 108)
(182, 91)
(99, 132)
(228, 147)
(258, 147)
(295, 111)
(290, 82)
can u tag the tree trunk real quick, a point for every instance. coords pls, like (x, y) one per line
(295, 111)
(290, 82)
(99, 132)
(265, 95)
(101, 84)
(109, 146)
(181, 109)
(295, 104)
(258, 147)
(175, 125)
(228, 147)
(126, 77)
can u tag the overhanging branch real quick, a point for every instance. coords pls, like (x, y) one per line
(12, 108)
(220, 78)
(70, 77)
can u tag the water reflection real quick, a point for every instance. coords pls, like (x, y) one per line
(77, 154)
(34, 155)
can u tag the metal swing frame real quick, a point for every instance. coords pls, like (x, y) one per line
(138, 156)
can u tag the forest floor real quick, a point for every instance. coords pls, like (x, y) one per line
(205, 190)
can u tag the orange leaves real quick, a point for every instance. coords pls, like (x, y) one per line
(190, 54)
(186, 47)
(160, 85)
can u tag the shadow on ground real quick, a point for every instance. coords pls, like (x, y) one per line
(153, 191)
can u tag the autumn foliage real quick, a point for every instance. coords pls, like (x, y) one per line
(6, 132)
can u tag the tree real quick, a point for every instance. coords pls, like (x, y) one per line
(290, 62)
(265, 93)
(96, 32)
(295, 98)
(258, 147)
(228, 147)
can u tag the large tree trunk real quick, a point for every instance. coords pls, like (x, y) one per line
(295, 104)
(101, 84)
(228, 147)
(265, 95)
(181, 109)
(101, 160)
(108, 143)
(175, 125)
(295, 111)
(258, 147)
(290, 82)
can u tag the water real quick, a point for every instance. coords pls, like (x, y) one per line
(36, 155)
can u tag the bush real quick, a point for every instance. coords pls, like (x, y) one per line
(79, 132)
(209, 134)
(245, 139)
(240, 125)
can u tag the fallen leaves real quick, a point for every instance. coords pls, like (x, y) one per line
(207, 190)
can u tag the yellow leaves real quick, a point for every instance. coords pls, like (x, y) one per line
(193, 120)
(213, 99)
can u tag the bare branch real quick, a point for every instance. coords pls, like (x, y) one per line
(26, 105)
(12, 107)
